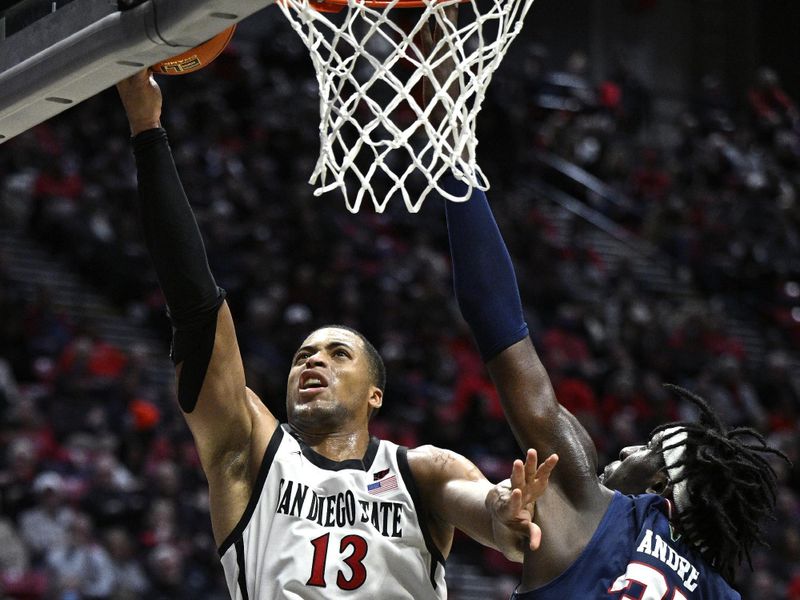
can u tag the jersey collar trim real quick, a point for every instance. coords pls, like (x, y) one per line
(364, 464)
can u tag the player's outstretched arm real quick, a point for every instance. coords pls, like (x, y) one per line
(487, 293)
(226, 419)
(488, 296)
(458, 496)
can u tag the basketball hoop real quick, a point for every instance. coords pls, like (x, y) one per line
(374, 130)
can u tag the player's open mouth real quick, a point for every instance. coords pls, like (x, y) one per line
(311, 381)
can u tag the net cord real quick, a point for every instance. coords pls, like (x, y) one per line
(428, 148)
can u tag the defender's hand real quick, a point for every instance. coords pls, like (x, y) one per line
(512, 502)
(429, 37)
(141, 98)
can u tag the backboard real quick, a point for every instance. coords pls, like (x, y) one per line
(85, 46)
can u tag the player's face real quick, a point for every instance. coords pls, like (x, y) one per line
(329, 386)
(639, 469)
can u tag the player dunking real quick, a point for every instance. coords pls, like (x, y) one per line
(699, 490)
(315, 508)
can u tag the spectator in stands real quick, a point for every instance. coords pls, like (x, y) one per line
(14, 559)
(45, 526)
(732, 396)
(779, 391)
(81, 568)
(714, 106)
(131, 581)
(167, 573)
(770, 104)
(17, 477)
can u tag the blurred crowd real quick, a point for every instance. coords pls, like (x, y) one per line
(101, 494)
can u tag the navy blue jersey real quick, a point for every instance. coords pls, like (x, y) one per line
(635, 554)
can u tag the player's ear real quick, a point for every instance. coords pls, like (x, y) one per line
(659, 483)
(375, 400)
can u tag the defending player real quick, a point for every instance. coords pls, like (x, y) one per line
(316, 508)
(703, 488)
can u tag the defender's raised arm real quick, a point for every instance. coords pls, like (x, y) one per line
(487, 294)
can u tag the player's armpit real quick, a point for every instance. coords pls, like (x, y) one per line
(224, 418)
(233, 477)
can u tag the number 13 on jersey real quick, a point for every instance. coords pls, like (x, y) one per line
(352, 550)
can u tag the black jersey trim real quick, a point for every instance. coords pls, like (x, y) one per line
(364, 464)
(411, 485)
(242, 580)
(266, 463)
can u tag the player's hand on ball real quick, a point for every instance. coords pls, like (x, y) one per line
(512, 502)
(141, 98)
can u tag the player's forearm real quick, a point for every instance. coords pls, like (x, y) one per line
(473, 517)
(483, 275)
(179, 257)
(171, 233)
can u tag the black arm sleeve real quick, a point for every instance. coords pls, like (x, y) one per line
(171, 234)
(176, 249)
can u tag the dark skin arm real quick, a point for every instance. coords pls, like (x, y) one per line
(455, 492)
(575, 502)
(511, 511)
(572, 507)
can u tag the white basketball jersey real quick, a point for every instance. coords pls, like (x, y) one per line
(319, 529)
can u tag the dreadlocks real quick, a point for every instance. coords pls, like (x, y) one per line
(729, 483)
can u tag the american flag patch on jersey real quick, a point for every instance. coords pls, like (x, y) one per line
(384, 485)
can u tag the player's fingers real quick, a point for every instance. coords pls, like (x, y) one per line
(425, 39)
(446, 23)
(537, 484)
(436, 31)
(139, 81)
(535, 536)
(514, 504)
(518, 475)
(540, 481)
(451, 12)
(141, 77)
(531, 464)
(546, 468)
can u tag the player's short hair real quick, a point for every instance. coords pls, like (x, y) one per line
(377, 369)
(729, 484)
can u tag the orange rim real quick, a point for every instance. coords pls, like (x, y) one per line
(335, 6)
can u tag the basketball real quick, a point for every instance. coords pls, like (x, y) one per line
(196, 58)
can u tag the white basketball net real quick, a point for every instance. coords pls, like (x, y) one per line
(369, 70)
